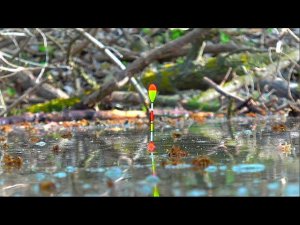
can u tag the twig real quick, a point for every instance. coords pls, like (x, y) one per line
(27, 92)
(289, 82)
(293, 35)
(240, 100)
(139, 64)
(116, 61)
(226, 76)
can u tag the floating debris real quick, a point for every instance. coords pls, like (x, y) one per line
(176, 134)
(285, 148)
(248, 168)
(41, 143)
(47, 187)
(177, 152)
(6, 128)
(66, 135)
(113, 173)
(3, 139)
(12, 161)
(34, 139)
(202, 162)
(279, 128)
(56, 149)
(5, 146)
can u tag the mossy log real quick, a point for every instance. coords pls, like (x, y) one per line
(172, 77)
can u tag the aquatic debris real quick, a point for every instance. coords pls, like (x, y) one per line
(176, 134)
(83, 122)
(47, 187)
(12, 161)
(70, 169)
(285, 148)
(56, 149)
(3, 139)
(113, 173)
(34, 139)
(41, 143)
(196, 193)
(5, 146)
(153, 180)
(66, 135)
(60, 175)
(248, 168)
(279, 127)
(177, 152)
(110, 183)
(202, 162)
(6, 128)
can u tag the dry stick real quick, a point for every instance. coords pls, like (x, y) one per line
(116, 61)
(229, 95)
(27, 92)
(289, 82)
(226, 76)
(139, 64)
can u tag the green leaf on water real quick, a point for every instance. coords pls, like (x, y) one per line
(224, 38)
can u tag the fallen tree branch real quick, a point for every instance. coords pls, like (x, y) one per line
(139, 64)
(25, 79)
(249, 103)
(26, 93)
(141, 90)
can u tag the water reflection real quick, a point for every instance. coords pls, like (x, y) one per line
(98, 161)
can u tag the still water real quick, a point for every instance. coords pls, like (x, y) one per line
(249, 157)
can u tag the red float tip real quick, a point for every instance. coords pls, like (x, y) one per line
(151, 146)
(152, 87)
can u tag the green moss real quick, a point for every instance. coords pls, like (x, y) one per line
(57, 105)
(211, 106)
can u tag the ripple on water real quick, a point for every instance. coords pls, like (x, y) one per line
(248, 168)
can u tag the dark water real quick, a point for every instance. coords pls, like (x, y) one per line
(250, 158)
